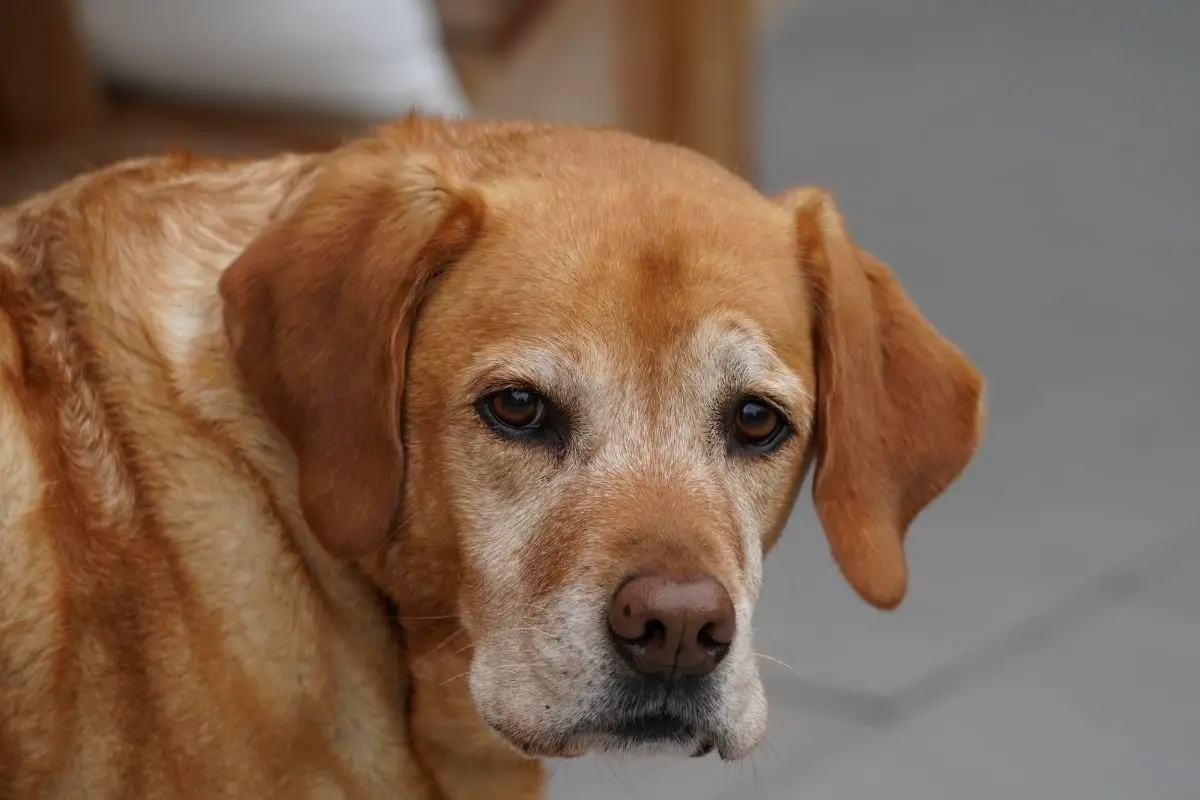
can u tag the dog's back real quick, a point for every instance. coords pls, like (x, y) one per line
(167, 626)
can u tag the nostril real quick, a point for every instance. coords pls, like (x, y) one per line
(648, 632)
(707, 639)
(656, 631)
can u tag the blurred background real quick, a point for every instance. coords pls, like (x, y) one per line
(1032, 172)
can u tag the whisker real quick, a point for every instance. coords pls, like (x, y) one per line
(491, 666)
(440, 645)
(532, 629)
(783, 664)
(620, 781)
(455, 677)
(397, 528)
(469, 645)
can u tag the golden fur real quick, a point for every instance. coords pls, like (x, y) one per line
(238, 422)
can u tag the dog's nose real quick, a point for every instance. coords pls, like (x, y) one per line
(669, 625)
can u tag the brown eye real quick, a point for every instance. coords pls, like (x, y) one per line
(517, 408)
(757, 423)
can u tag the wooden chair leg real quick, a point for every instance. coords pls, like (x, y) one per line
(47, 86)
(685, 73)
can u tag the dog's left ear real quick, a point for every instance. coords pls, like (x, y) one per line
(899, 408)
(318, 311)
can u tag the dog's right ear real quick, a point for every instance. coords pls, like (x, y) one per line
(318, 311)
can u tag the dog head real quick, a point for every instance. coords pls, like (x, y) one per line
(563, 386)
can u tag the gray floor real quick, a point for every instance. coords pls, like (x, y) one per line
(1032, 171)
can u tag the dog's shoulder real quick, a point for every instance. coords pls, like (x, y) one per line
(159, 592)
(107, 296)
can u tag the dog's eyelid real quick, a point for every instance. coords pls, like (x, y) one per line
(496, 387)
(492, 381)
(540, 371)
(552, 398)
(764, 397)
(789, 394)
(794, 406)
(751, 366)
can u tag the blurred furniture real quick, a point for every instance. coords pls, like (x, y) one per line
(678, 70)
(47, 87)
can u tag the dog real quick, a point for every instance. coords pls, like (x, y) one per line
(389, 471)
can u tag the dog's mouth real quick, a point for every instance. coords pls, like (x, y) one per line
(660, 732)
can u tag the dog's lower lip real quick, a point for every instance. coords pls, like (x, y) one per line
(654, 728)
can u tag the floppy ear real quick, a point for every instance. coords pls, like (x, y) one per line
(318, 311)
(899, 408)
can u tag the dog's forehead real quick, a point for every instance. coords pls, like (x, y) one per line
(636, 264)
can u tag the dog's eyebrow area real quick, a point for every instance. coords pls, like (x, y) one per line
(732, 355)
(548, 366)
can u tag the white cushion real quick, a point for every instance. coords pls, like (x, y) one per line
(362, 58)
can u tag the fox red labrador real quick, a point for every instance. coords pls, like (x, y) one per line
(385, 472)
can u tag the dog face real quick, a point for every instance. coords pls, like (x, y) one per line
(565, 385)
(615, 407)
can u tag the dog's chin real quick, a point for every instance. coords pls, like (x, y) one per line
(627, 716)
(652, 734)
